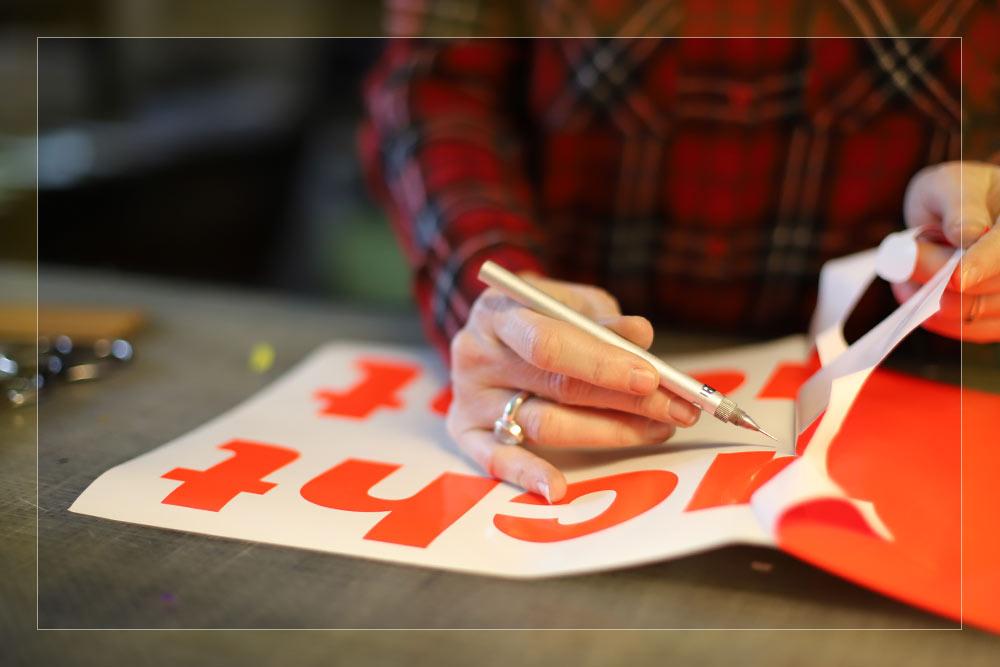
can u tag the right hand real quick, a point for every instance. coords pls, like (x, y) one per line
(585, 392)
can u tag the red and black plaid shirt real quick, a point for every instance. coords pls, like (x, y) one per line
(701, 181)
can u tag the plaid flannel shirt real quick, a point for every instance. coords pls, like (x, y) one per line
(701, 181)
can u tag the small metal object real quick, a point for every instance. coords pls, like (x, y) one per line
(506, 430)
(21, 391)
(84, 372)
(8, 366)
(727, 408)
(59, 360)
(121, 350)
(729, 412)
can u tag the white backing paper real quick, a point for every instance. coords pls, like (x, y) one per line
(413, 437)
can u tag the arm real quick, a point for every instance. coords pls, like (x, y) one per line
(441, 151)
(963, 198)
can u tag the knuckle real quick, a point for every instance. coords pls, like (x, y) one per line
(603, 298)
(657, 433)
(542, 345)
(490, 301)
(622, 433)
(641, 405)
(465, 351)
(564, 388)
(544, 426)
(602, 370)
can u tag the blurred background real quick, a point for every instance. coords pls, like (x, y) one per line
(227, 160)
(232, 161)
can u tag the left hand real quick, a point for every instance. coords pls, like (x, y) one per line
(963, 198)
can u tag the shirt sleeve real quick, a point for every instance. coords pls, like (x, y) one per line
(442, 152)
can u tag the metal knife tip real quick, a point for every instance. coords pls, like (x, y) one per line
(760, 430)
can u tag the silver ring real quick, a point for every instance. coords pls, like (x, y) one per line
(506, 430)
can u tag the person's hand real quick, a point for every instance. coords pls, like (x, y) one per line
(585, 393)
(963, 199)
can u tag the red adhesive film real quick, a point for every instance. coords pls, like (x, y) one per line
(726, 381)
(378, 387)
(832, 513)
(635, 493)
(442, 401)
(415, 521)
(787, 377)
(243, 472)
(732, 478)
(900, 449)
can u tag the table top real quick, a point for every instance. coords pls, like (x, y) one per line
(190, 365)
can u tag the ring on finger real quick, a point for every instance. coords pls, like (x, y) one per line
(506, 430)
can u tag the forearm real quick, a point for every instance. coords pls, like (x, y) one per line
(442, 155)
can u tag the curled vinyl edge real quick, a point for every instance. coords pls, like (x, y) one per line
(829, 394)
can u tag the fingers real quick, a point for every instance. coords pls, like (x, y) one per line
(587, 393)
(593, 302)
(550, 424)
(662, 405)
(932, 256)
(561, 348)
(956, 309)
(555, 425)
(513, 464)
(636, 329)
(980, 268)
(978, 331)
(962, 198)
(954, 305)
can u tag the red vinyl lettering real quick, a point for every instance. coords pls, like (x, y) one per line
(380, 382)
(732, 478)
(787, 377)
(726, 381)
(243, 472)
(442, 401)
(635, 493)
(415, 521)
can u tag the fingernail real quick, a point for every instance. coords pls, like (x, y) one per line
(970, 276)
(684, 412)
(543, 489)
(642, 380)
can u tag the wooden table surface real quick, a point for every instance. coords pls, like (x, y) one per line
(191, 364)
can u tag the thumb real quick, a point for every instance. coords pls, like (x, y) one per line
(954, 196)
